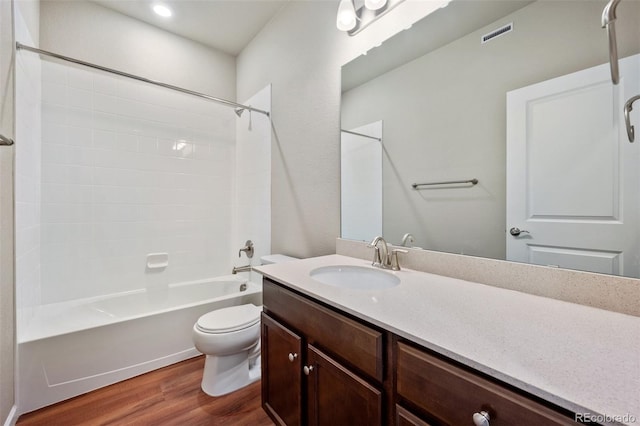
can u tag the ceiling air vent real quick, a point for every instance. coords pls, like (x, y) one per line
(495, 33)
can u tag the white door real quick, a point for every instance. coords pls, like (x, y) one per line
(361, 182)
(572, 175)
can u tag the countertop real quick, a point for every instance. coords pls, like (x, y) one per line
(584, 359)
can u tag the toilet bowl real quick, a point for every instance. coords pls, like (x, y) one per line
(230, 339)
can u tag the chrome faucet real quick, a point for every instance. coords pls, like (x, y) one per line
(382, 258)
(246, 268)
(405, 238)
(379, 259)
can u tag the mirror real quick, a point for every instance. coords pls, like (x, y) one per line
(548, 149)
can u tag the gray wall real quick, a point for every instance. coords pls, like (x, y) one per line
(445, 118)
(294, 52)
(7, 299)
(300, 53)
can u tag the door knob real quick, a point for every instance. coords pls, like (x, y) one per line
(292, 356)
(517, 231)
(481, 419)
(307, 370)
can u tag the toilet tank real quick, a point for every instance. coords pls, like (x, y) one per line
(276, 258)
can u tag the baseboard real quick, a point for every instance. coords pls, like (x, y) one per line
(12, 418)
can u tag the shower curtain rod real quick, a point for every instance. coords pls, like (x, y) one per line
(135, 77)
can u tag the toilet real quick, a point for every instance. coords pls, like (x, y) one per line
(230, 339)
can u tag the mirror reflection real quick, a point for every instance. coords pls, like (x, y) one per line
(506, 110)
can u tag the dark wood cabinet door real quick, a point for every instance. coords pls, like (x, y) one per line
(281, 373)
(336, 396)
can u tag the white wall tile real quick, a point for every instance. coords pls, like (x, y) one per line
(54, 93)
(54, 72)
(105, 103)
(53, 132)
(79, 98)
(54, 113)
(79, 77)
(104, 84)
(129, 169)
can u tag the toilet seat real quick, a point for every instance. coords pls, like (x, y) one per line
(229, 319)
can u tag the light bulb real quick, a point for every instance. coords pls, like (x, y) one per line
(374, 4)
(346, 20)
(162, 10)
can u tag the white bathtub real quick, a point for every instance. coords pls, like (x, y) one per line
(74, 347)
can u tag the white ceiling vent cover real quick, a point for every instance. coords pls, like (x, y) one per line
(496, 33)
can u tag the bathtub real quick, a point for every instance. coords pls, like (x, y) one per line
(71, 348)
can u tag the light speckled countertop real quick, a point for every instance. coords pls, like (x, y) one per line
(581, 358)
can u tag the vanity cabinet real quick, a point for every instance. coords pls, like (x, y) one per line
(318, 367)
(323, 367)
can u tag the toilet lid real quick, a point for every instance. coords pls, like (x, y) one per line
(229, 319)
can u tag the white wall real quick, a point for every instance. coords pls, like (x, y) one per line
(27, 176)
(7, 305)
(300, 53)
(27, 165)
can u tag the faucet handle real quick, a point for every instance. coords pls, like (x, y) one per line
(377, 259)
(248, 249)
(395, 264)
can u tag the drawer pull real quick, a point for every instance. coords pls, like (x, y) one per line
(292, 356)
(307, 370)
(481, 418)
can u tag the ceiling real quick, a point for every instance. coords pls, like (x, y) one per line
(226, 25)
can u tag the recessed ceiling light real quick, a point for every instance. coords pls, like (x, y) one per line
(162, 10)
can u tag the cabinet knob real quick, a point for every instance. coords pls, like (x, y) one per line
(481, 418)
(292, 356)
(307, 370)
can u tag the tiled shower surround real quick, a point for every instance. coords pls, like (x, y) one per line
(129, 169)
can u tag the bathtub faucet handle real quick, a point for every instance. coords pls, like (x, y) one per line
(248, 249)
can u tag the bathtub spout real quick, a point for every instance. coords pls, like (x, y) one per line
(246, 268)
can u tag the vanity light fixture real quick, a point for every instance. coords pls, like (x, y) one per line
(352, 19)
(162, 10)
(374, 4)
(356, 15)
(346, 19)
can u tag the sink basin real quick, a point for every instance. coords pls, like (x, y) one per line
(354, 277)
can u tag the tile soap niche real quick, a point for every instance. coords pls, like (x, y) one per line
(157, 261)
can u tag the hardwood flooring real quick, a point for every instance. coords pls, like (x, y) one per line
(168, 396)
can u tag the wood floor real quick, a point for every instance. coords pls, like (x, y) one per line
(169, 396)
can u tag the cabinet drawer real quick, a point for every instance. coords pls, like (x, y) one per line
(407, 418)
(357, 344)
(453, 395)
